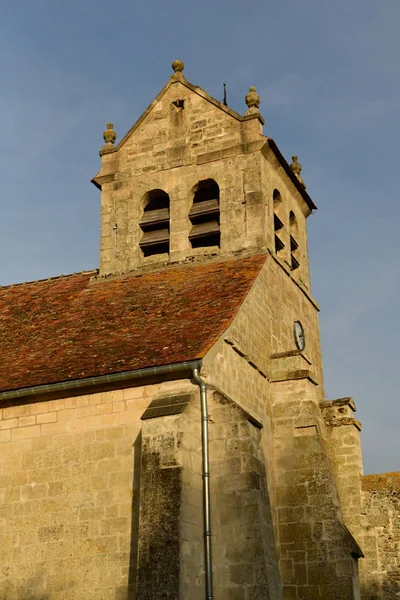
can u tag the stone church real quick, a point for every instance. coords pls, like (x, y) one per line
(164, 433)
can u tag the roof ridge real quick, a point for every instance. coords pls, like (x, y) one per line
(189, 261)
(62, 276)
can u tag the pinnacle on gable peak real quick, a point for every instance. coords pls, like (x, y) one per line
(109, 137)
(252, 100)
(296, 168)
(177, 67)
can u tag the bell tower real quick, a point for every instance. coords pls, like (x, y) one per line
(193, 180)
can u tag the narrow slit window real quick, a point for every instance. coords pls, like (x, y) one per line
(204, 215)
(278, 223)
(155, 224)
(294, 245)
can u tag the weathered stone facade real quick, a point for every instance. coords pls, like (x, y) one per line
(380, 536)
(68, 481)
(101, 491)
(370, 503)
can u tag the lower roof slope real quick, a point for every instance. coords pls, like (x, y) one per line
(72, 328)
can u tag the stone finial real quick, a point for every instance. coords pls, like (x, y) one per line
(178, 66)
(109, 134)
(253, 101)
(296, 167)
(109, 137)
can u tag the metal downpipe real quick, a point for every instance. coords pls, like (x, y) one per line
(206, 485)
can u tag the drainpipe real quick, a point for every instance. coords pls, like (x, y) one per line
(206, 484)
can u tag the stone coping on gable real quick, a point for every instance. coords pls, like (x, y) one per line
(381, 481)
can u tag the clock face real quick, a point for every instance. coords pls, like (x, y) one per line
(298, 332)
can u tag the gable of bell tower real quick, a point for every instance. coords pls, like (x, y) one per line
(193, 179)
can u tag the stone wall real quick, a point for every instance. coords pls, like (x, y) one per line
(170, 534)
(101, 497)
(170, 561)
(256, 363)
(69, 487)
(317, 550)
(245, 550)
(256, 348)
(380, 538)
(343, 437)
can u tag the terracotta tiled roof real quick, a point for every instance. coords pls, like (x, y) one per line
(71, 327)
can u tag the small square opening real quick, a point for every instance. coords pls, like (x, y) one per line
(179, 104)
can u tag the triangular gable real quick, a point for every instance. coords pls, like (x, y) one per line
(195, 89)
(178, 79)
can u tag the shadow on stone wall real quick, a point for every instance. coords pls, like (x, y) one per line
(33, 590)
(381, 589)
(133, 559)
(25, 595)
(370, 591)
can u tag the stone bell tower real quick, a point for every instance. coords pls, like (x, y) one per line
(195, 182)
(193, 179)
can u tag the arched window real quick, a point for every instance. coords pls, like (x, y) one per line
(155, 224)
(294, 246)
(278, 224)
(204, 215)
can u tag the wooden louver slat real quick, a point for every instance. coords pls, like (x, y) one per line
(277, 223)
(293, 244)
(150, 217)
(279, 245)
(207, 207)
(157, 236)
(295, 263)
(204, 229)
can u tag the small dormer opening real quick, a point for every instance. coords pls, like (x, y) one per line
(155, 224)
(294, 245)
(278, 223)
(204, 215)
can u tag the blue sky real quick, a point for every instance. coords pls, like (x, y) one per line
(327, 74)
